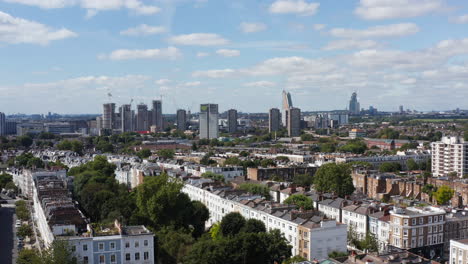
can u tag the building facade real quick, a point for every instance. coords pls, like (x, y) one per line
(274, 120)
(156, 115)
(181, 119)
(209, 115)
(294, 122)
(450, 155)
(232, 120)
(459, 251)
(108, 116)
(354, 106)
(142, 118)
(2, 124)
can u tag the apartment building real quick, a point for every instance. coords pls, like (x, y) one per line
(450, 155)
(58, 217)
(417, 227)
(292, 223)
(24, 179)
(379, 226)
(356, 215)
(401, 157)
(458, 251)
(332, 208)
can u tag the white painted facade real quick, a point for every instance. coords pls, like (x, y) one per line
(458, 251)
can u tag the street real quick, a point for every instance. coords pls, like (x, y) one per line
(6, 233)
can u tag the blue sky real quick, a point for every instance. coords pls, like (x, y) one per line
(65, 56)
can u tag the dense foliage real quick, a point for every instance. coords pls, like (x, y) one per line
(356, 146)
(99, 194)
(244, 242)
(58, 253)
(256, 188)
(301, 201)
(443, 194)
(72, 145)
(304, 180)
(390, 167)
(334, 178)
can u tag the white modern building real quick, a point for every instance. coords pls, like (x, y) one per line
(450, 155)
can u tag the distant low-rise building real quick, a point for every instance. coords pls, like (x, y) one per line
(357, 133)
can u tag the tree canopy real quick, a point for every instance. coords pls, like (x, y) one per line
(334, 178)
(443, 194)
(256, 188)
(245, 242)
(301, 201)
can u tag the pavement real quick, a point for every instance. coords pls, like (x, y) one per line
(8, 251)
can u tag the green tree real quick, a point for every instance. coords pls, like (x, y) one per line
(370, 243)
(25, 231)
(248, 248)
(256, 188)
(173, 245)
(443, 194)
(72, 145)
(307, 137)
(161, 203)
(213, 176)
(233, 161)
(254, 226)
(412, 165)
(335, 178)
(144, 153)
(301, 201)
(282, 158)
(337, 254)
(390, 167)
(327, 147)
(4, 179)
(356, 146)
(267, 163)
(304, 180)
(232, 223)
(105, 146)
(166, 153)
(29, 256)
(429, 189)
(24, 141)
(294, 260)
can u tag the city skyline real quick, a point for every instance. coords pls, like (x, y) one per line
(61, 53)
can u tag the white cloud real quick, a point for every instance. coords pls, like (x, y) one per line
(170, 53)
(388, 9)
(300, 7)
(393, 30)
(163, 81)
(348, 44)
(260, 84)
(143, 30)
(228, 52)
(215, 73)
(272, 67)
(16, 30)
(93, 6)
(252, 27)
(192, 84)
(462, 19)
(202, 54)
(319, 27)
(199, 39)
